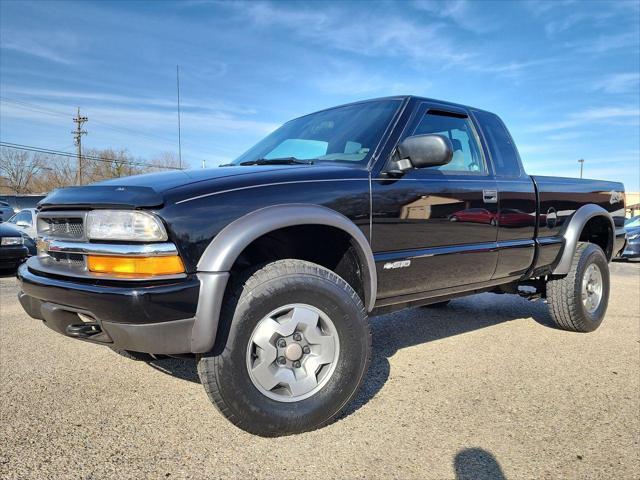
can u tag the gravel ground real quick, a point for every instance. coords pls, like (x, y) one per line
(481, 389)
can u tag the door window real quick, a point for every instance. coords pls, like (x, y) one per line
(466, 154)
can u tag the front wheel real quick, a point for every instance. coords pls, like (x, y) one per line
(297, 349)
(578, 301)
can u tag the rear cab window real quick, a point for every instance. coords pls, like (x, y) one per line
(502, 150)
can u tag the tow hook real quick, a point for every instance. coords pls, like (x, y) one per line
(83, 330)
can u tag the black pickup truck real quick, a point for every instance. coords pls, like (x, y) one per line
(267, 269)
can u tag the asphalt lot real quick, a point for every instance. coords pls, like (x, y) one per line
(481, 389)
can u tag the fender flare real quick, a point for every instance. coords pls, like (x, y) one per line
(574, 229)
(220, 255)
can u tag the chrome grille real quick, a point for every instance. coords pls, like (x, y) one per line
(67, 259)
(61, 225)
(66, 227)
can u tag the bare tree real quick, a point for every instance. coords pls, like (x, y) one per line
(30, 172)
(109, 163)
(164, 161)
(19, 169)
(57, 172)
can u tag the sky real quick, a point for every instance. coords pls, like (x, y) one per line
(563, 75)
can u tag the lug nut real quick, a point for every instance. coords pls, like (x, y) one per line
(282, 343)
(297, 337)
(306, 349)
(296, 364)
(282, 360)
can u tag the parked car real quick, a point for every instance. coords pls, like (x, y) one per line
(267, 269)
(12, 248)
(25, 221)
(6, 211)
(20, 202)
(632, 248)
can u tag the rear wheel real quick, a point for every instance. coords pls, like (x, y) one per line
(297, 349)
(578, 301)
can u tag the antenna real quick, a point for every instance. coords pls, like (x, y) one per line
(581, 162)
(179, 139)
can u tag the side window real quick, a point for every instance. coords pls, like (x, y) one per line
(504, 154)
(466, 154)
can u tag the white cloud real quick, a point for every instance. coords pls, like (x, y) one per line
(606, 43)
(368, 34)
(33, 48)
(418, 44)
(591, 116)
(460, 12)
(75, 96)
(619, 83)
(54, 46)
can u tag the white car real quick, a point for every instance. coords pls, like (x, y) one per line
(25, 220)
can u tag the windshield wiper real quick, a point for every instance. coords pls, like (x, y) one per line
(277, 161)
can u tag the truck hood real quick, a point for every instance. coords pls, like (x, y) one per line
(148, 190)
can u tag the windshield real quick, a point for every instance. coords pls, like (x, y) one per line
(342, 134)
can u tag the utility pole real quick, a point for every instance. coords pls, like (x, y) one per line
(581, 162)
(203, 164)
(77, 136)
(179, 139)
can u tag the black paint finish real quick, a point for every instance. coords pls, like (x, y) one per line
(124, 303)
(454, 238)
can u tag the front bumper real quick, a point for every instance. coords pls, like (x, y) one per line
(631, 250)
(143, 317)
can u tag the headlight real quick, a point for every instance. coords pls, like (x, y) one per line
(7, 241)
(634, 236)
(124, 225)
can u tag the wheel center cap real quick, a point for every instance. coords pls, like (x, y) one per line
(293, 352)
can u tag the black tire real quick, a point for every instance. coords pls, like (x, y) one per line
(564, 295)
(224, 372)
(438, 304)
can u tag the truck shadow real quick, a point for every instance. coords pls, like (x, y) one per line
(395, 331)
(477, 464)
(407, 328)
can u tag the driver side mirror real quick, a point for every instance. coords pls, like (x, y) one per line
(423, 151)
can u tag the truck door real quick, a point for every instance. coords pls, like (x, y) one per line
(517, 206)
(434, 229)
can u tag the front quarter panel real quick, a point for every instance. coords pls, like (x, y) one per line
(196, 214)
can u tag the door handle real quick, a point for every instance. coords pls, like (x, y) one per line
(490, 196)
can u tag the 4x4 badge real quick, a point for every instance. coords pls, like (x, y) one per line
(399, 264)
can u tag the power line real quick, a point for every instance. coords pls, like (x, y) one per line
(134, 133)
(31, 148)
(57, 113)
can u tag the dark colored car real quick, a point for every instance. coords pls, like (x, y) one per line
(266, 270)
(6, 212)
(632, 228)
(13, 250)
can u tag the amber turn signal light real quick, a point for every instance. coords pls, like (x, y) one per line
(135, 266)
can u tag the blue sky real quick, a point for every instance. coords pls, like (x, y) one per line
(564, 75)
